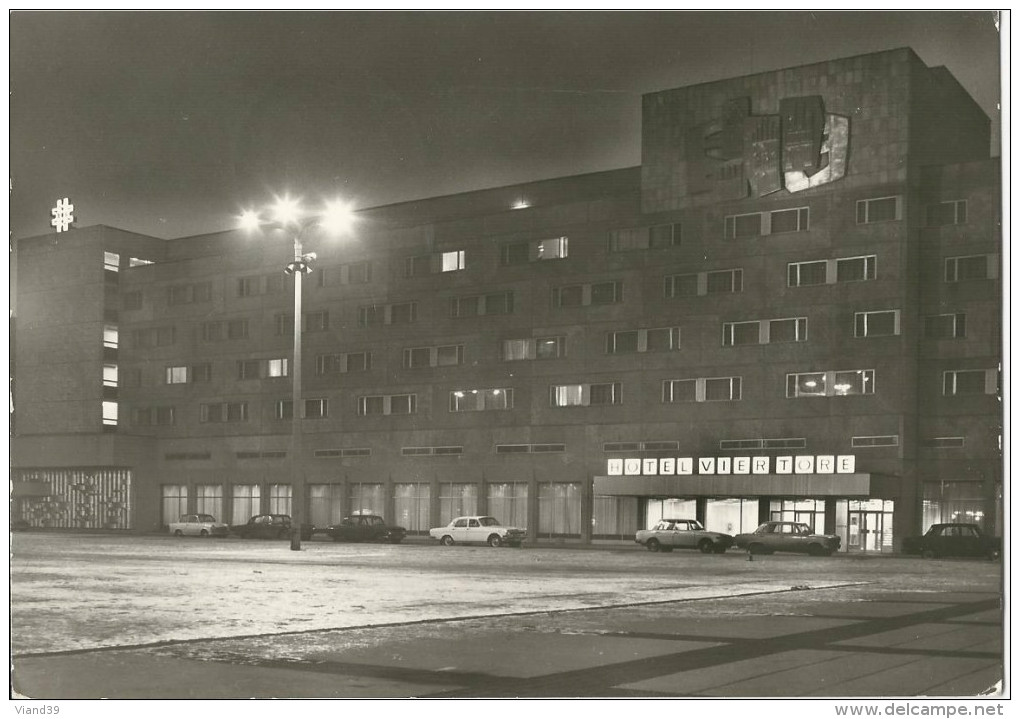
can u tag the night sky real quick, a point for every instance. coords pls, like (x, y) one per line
(169, 123)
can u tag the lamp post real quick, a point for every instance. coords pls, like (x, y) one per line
(289, 217)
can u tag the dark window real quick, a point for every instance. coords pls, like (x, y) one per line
(726, 281)
(855, 269)
(237, 329)
(943, 327)
(795, 220)
(515, 253)
(622, 342)
(571, 296)
(606, 293)
(803, 274)
(608, 393)
(681, 285)
(248, 369)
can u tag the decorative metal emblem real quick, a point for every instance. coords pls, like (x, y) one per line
(62, 215)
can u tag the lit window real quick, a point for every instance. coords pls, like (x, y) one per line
(477, 400)
(176, 375)
(276, 368)
(111, 261)
(567, 395)
(110, 375)
(451, 261)
(830, 383)
(111, 336)
(110, 414)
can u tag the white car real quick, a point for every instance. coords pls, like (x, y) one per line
(198, 525)
(480, 529)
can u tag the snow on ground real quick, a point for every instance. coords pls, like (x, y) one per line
(85, 591)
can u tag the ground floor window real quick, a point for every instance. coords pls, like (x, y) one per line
(456, 500)
(656, 509)
(367, 499)
(731, 515)
(411, 506)
(559, 510)
(509, 504)
(615, 517)
(246, 502)
(175, 502)
(809, 511)
(865, 525)
(325, 503)
(279, 498)
(209, 500)
(954, 502)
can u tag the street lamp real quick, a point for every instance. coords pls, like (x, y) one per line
(287, 215)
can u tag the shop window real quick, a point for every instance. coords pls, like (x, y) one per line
(509, 503)
(325, 505)
(456, 500)
(954, 501)
(367, 499)
(614, 517)
(411, 506)
(559, 509)
(209, 500)
(246, 502)
(174, 502)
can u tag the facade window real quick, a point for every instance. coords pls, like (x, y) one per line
(343, 362)
(237, 329)
(583, 395)
(953, 212)
(209, 500)
(888, 440)
(456, 500)
(497, 303)
(317, 321)
(224, 412)
(943, 443)
(441, 356)
(855, 269)
(559, 509)
(248, 369)
(249, 286)
(284, 325)
(411, 506)
(190, 293)
(401, 313)
(597, 293)
(201, 372)
(879, 209)
(945, 327)
(279, 498)
(110, 375)
(952, 501)
(111, 410)
(534, 348)
(519, 253)
(787, 329)
(881, 323)
(644, 238)
(740, 226)
(969, 381)
(174, 502)
(316, 408)
(821, 272)
(652, 340)
(792, 220)
(177, 374)
(830, 383)
(509, 503)
(722, 282)
(355, 273)
(477, 400)
(763, 443)
(148, 338)
(131, 300)
(111, 261)
(284, 409)
(277, 368)
(972, 267)
(246, 502)
(152, 416)
(422, 265)
(387, 404)
(702, 389)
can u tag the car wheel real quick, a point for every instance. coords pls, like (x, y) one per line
(929, 554)
(994, 553)
(495, 541)
(719, 549)
(816, 550)
(653, 545)
(204, 533)
(705, 545)
(178, 533)
(447, 540)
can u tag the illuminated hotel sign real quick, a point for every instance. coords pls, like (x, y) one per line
(740, 155)
(63, 215)
(799, 464)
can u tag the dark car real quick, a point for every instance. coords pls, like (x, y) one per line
(269, 526)
(954, 540)
(787, 537)
(366, 528)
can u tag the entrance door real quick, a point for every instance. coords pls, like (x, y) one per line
(866, 531)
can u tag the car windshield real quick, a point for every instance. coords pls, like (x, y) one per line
(206, 518)
(489, 521)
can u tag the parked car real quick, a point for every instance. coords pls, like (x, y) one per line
(198, 525)
(478, 529)
(787, 537)
(670, 534)
(366, 528)
(269, 526)
(954, 540)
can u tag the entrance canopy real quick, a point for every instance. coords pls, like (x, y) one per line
(753, 485)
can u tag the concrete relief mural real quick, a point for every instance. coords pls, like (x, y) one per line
(743, 155)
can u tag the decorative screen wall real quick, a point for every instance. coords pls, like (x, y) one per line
(84, 498)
